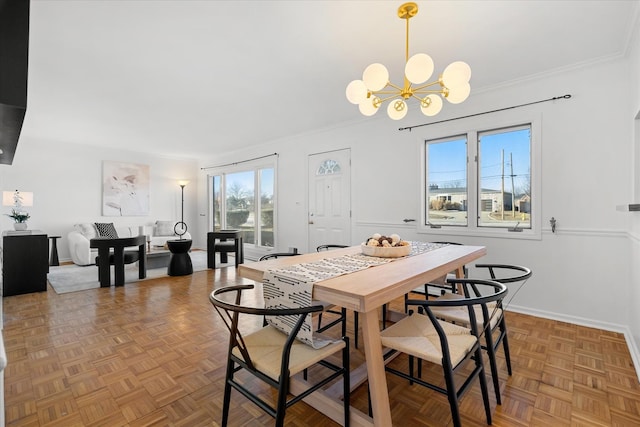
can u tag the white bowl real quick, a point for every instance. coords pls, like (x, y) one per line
(386, 252)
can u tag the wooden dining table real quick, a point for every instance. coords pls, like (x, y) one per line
(365, 291)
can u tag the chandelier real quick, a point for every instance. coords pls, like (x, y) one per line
(375, 88)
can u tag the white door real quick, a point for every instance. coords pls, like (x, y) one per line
(330, 198)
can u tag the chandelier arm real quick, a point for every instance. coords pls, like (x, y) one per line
(395, 86)
(386, 92)
(426, 92)
(382, 100)
(418, 98)
(437, 82)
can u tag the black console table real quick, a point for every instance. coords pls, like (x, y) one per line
(24, 262)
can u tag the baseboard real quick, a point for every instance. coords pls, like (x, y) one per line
(623, 329)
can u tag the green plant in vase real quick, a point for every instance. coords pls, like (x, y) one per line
(19, 218)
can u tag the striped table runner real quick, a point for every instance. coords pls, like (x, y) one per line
(292, 287)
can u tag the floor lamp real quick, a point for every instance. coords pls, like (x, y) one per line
(181, 228)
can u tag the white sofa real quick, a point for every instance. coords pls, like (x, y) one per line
(82, 254)
(159, 232)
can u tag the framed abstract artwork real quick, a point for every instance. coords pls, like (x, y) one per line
(125, 189)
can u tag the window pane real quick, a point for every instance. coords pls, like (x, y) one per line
(266, 207)
(504, 165)
(239, 191)
(217, 203)
(447, 181)
(328, 167)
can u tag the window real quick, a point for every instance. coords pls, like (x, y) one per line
(447, 178)
(504, 165)
(480, 182)
(243, 199)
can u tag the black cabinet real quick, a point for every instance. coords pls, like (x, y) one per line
(24, 262)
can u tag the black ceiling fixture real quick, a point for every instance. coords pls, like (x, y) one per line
(14, 60)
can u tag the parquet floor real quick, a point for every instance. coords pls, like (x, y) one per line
(153, 353)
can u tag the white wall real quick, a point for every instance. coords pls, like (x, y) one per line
(582, 272)
(633, 121)
(66, 180)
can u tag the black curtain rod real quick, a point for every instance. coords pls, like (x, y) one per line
(241, 161)
(487, 112)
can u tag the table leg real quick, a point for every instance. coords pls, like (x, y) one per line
(54, 252)
(104, 270)
(142, 262)
(118, 265)
(375, 369)
(460, 275)
(238, 251)
(211, 251)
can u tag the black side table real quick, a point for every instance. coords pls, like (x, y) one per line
(180, 262)
(54, 251)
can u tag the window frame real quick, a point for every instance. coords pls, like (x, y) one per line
(472, 127)
(256, 167)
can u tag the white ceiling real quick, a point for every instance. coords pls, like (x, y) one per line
(190, 78)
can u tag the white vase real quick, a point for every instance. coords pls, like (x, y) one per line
(19, 226)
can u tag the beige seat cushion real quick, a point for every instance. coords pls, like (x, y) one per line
(416, 336)
(460, 315)
(265, 349)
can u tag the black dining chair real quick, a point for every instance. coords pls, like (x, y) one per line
(329, 247)
(274, 357)
(275, 255)
(451, 346)
(501, 273)
(440, 284)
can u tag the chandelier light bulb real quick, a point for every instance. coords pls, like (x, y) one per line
(356, 92)
(456, 74)
(375, 76)
(459, 94)
(419, 68)
(431, 105)
(367, 107)
(397, 109)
